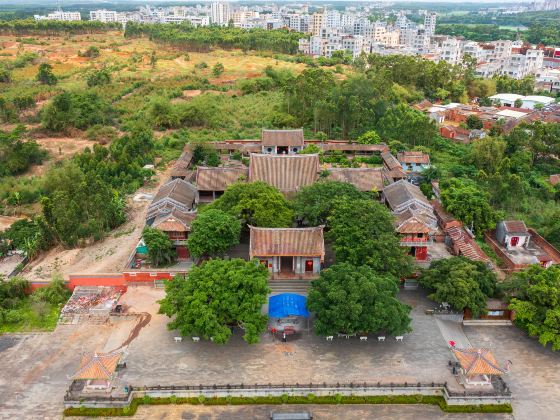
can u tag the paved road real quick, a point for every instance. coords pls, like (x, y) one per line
(320, 412)
(453, 331)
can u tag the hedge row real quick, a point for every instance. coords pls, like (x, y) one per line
(287, 399)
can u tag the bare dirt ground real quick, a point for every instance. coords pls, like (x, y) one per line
(106, 256)
(7, 221)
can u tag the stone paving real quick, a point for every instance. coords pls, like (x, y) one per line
(155, 359)
(36, 368)
(320, 412)
(534, 376)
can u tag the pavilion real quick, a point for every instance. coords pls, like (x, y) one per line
(98, 370)
(477, 367)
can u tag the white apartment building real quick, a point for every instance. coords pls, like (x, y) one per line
(317, 23)
(474, 50)
(353, 44)
(60, 15)
(104, 15)
(220, 13)
(520, 65)
(451, 51)
(332, 19)
(430, 23)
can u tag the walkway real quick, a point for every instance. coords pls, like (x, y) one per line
(453, 331)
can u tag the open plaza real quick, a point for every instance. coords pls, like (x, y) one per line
(45, 363)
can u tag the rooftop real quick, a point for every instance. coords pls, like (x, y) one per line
(288, 173)
(402, 192)
(413, 157)
(98, 366)
(282, 137)
(477, 362)
(218, 179)
(364, 179)
(289, 242)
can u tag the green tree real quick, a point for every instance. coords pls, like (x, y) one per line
(216, 296)
(536, 301)
(353, 300)
(362, 233)
(160, 248)
(5, 75)
(474, 122)
(45, 75)
(98, 77)
(407, 125)
(80, 110)
(56, 293)
(466, 201)
(518, 103)
(313, 204)
(255, 203)
(369, 137)
(218, 69)
(161, 113)
(213, 232)
(488, 153)
(460, 282)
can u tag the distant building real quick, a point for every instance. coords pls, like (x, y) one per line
(220, 13)
(60, 15)
(413, 162)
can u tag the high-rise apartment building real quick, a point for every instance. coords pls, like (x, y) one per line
(220, 13)
(430, 23)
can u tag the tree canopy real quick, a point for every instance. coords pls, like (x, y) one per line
(349, 299)
(313, 204)
(536, 301)
(460, 282)
(362, 233)
(160, 248)
(213, 232)
(466, 201)
(216, 296)
(255, 203)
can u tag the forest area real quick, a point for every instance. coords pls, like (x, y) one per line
(137, 98)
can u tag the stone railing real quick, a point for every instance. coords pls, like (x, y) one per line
(501, 396)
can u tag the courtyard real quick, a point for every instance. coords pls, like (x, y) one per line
(44, 363)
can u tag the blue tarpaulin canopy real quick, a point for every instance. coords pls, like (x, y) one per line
(287, 304)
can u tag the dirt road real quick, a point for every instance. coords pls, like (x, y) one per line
(106, 256)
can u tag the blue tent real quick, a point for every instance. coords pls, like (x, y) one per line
(287, 304)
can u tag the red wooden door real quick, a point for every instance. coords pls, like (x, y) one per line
(182, 253)
(308, 265)
(421, 253)
(514, 241)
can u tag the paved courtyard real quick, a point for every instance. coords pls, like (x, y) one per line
(36, 368)
(155, 359)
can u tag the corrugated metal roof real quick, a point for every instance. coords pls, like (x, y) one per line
(303, 242)
(98, 366)
(285, 172)
(364, 179)
(477, 362)
(282, 137)
(218, 179)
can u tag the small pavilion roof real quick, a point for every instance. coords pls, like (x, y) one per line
(477, 362)
(98, 366)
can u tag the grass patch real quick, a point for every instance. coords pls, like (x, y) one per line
(287, 399)
(29, 318)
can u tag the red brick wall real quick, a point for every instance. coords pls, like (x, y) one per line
(508, 265)
(96, 280)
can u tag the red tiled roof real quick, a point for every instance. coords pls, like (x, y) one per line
(364, 179)
(282, 137)
(517, 226)
(466, 245)
(413, 157)
(176, 221)
(304, 242)
(554, 179)
(98, 366)
(218, 179)
(477, 362)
